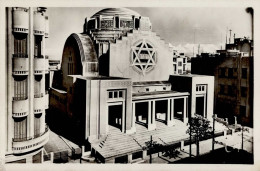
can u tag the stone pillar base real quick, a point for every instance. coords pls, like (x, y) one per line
(91, 138)
(129, 158)
(170, 123)
(131, 131)
(151, 127)
(144, 155)
(110, 161)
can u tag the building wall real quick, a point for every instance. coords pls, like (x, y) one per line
(228, 102)
(26, 97)
(242, 87)
(188, 83)
(88, 101)
(120, 57)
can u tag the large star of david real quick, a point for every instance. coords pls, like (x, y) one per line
(143, 57)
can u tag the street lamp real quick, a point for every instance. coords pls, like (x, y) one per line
(213, 131)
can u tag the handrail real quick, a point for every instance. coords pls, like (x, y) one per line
(20, 98)
(20, 55)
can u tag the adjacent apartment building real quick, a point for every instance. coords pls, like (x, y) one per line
(233, 71)
(27, 85)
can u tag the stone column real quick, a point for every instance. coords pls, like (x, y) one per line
(172, 111)
(151, 115)
(123, 117)
(133, 117)
(129, 158)
(169, 113)
(185, 110)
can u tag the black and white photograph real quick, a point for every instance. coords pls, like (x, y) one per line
(112, 84)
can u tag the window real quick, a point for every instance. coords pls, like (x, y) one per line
(20, 89)
(179, 71)
(243, 91)
(184, 66)
(37, 124)
(110, 94)
(70, 69)
(37, 89)
(243, 111)
(20, 129)
(20, 45)
(38, 46)
(222, 72)
(174, 67)
(120, 94)
(184, 60)
(147, 89)
(231, 90)
(174, 59)
(244, 72)
(179, 63)
(164, 88)
(221, 89)
(115, 94)
(230, 72)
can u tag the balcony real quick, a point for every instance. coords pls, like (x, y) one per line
(39, 103)
(20, 107)
(20, 20)
(20, 64)
(23, 145)
(46, 27)
(46, 64)
(38, 23)
(39, 65)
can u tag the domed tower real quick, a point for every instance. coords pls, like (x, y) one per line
(126, 45)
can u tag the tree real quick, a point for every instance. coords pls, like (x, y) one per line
(199, 127)
(152, 146)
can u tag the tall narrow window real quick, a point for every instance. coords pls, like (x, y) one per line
(37, 124)
(230, 72)
(20, 88)
(20, 45)
(20, 129)
(38, 46)
(244, 72)
(37, 89)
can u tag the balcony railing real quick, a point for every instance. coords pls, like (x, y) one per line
(20, 98)
(31, 137)
(38, 56)
(20, 55)
(39, 95)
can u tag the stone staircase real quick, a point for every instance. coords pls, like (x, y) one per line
(119, 144)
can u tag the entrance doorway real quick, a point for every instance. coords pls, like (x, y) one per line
(161, 107)
(200, 106)
(115, 116)
(179, 109)
(141, 113)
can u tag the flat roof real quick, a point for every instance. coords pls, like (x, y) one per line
(143, 83)
(99, 77)
(158, 94)
(192, 75)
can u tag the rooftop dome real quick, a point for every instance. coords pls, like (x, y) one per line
(116, 11)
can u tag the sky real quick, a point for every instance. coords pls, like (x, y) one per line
(185, 28)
